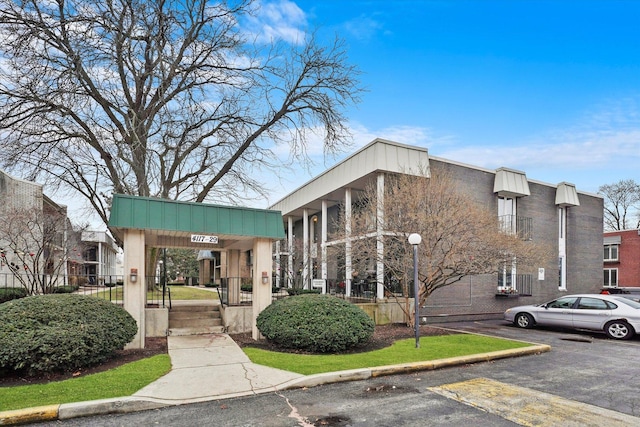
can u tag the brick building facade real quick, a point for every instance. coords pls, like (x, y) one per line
(621, 259)
(568, 222)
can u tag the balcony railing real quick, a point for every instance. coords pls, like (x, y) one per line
(514, 224)
(523, 287)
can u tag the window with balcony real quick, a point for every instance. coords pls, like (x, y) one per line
(611, 252)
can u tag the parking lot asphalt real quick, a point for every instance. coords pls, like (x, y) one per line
(584, 374)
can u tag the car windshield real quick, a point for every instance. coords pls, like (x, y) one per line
(628, 302)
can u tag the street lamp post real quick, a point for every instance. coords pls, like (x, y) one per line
(414, 240)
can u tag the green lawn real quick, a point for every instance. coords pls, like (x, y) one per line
(127, 379)
(402, 351)
(191, 293)
(121, 381)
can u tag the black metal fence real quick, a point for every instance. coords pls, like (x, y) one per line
(237, 291)
(109, 287)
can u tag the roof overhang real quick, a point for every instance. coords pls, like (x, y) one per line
(355, 172)
(170, 223)
(511, 183)
(566, 195)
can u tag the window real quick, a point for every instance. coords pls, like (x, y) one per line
(610, 252)
(565, 302)
(610, 277)
(562, 248)
(507, 214)
(506, 277)
(593, 304)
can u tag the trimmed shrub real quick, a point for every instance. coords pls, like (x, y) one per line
(176, 283)
(246, 287)
(300, 291)
(8, 294)
(315, 323)
(68, 289)
(65, 332)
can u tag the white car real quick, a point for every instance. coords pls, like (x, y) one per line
(615, 315)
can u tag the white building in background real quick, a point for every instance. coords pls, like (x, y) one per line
(101, 256)
(27, 240)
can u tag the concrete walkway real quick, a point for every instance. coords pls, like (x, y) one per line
(206, 366)
(212, 367)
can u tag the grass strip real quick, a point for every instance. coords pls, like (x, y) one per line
(402, 351)
(177, 293)
(121, 381)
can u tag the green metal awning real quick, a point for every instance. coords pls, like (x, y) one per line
(171, 222)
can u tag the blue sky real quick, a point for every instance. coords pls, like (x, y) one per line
(548, 87)
(551, 88)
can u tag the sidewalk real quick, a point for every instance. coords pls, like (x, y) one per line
(213, 367)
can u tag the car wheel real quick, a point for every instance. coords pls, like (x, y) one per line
(524, 320)
(619, 330)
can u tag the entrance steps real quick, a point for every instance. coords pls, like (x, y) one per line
(195, 318)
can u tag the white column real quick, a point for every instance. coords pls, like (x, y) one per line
(233, 276)
(380, 236)
(305, 249)
(135, 292)
(347, 246)
(278, 266)
(290, 272)
(100, 262)
(323, 243)
(261, 280)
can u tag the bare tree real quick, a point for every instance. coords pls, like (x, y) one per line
(35, 248)
(171, 99)
(460, 237)
(621, 204)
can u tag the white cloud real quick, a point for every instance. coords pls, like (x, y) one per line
(363, 27)
(602, 148)
(278, 20)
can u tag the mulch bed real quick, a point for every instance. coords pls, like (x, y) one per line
(383, 336)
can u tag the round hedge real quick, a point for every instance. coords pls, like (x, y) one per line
(315, 323)
(61, 332)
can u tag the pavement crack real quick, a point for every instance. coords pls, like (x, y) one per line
(302, 420)
(247, 377)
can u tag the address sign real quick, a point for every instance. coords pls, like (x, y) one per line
(201, 238)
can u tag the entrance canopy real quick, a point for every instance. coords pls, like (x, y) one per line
(169, 223)
(143, 222)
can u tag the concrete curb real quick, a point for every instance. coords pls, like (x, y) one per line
(379, 371)
(134, 404)
(29, 415)
(105, 406)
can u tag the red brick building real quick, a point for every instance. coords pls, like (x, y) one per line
(622, 258)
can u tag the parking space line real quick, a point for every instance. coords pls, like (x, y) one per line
(529, 407)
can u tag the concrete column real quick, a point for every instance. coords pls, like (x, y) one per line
(262, 268)
(278, 264)
(290, 273)
(347, 246)
(305, 249)
(135, 292)
(380, 227)
(100, 264)
(233, 276)
(204, 274)
(323, 243)
(223, 272)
